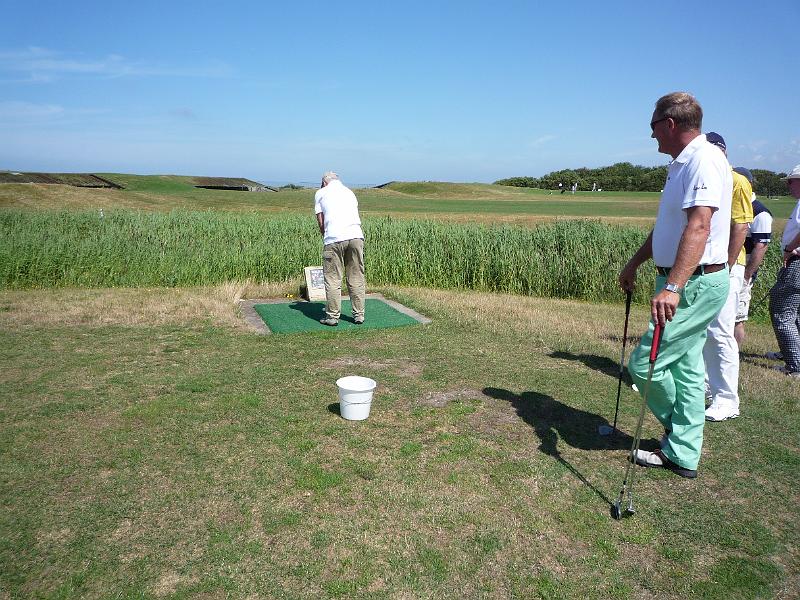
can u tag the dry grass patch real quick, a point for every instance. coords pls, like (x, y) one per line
(216, 305)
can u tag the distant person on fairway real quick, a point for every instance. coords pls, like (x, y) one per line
(784, 297)
(755, 247)
(336, 208)
(689, 245)
(721, 352)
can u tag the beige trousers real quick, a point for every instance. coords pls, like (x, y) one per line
(347, 257)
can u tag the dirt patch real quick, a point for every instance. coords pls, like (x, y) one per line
(440, 399)
(405, 367)
(168, 584)
(496, 415)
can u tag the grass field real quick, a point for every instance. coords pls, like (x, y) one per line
(152, 447)
(449, 201)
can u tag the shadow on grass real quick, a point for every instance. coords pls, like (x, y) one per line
(603, 364)
(335, 408)
(315, 311)
(552, 420)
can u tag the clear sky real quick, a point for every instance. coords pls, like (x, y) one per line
(379, 91)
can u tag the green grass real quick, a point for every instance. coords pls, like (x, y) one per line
(450, 201)
(185, 460)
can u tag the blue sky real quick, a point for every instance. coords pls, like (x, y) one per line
(448, 91)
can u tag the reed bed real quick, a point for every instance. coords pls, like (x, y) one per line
(565, 259)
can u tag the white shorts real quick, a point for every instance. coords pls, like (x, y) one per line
(744, 302)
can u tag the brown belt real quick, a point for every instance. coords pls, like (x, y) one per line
(701, 270)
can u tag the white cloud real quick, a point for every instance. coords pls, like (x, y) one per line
(43, 66)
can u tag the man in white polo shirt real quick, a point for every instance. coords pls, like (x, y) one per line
(689, 245)
(784, 297)
(336, 208)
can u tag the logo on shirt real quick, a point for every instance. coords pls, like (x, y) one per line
(702, 186)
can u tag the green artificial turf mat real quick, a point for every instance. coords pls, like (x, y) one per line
(304, 316)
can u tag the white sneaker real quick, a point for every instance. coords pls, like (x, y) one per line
(717, 412)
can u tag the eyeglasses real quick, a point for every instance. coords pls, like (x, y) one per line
(653, 123)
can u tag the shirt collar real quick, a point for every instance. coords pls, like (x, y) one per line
(690, 149)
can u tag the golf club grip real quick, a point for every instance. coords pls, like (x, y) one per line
(628, 296)
(656, 343)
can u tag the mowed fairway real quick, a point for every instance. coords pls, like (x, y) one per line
(153, 447)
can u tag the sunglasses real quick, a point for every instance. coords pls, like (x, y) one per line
(653, 123)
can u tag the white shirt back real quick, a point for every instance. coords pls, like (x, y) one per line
(699, 176)
(339, 208)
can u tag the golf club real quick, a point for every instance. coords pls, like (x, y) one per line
(605, 429)
(627, 483)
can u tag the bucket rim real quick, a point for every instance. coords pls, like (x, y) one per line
(367, 384)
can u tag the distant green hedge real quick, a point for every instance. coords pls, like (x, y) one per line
(625, 177)
(565, 259)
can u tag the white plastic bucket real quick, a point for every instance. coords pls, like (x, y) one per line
(355, 396)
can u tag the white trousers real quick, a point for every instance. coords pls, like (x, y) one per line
(721, 352)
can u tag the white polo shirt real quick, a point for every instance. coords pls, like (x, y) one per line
(699, 176)
(339, 209)
(792, 226)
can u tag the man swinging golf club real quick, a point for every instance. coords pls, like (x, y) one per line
(689, 245)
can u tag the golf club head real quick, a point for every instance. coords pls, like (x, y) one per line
(605, 430)
(618, 513)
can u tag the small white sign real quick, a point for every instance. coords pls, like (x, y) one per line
(315, 283)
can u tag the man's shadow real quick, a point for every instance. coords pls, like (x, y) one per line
(315, 311)
(603, 364)
(553, 420)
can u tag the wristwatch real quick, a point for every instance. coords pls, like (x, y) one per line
(673, 287)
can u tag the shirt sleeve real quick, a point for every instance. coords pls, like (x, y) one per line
(761, 228)
(317, 202)
(704, 182)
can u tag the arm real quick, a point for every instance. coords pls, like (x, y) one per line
(690, 251)
(754, 260)
(321, 223)
(736, 241)
(792, 246)
(627, 277)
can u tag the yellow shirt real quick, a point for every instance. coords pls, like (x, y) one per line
(741, 207)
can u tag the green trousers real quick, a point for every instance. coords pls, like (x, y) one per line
(676, 395)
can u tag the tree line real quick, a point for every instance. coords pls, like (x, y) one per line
(626, 177)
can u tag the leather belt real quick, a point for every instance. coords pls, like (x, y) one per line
(700, 270)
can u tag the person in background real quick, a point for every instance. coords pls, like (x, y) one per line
(689, 245)
(755, 246)
(721, 352)
(336, 208)
(784, 297)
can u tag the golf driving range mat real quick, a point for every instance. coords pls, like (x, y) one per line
(293, 317)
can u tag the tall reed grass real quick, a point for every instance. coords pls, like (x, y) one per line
(564, 259)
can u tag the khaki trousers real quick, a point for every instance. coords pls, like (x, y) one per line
(347, 257)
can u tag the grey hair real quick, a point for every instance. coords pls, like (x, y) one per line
(681, 107)
(329, 176)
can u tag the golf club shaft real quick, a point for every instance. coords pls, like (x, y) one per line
(627, 486)
(628, 295)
